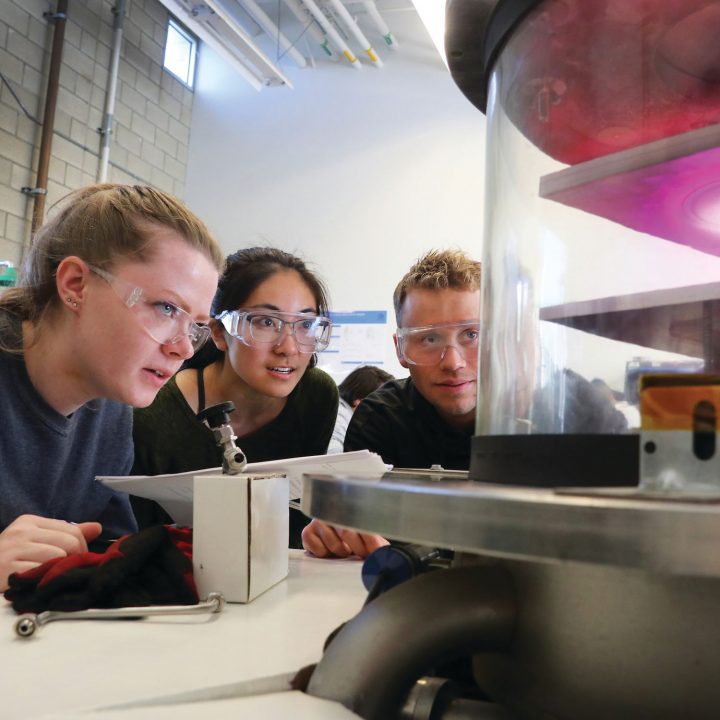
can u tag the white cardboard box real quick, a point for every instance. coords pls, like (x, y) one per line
(240, 534)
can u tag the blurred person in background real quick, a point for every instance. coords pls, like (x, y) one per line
(356, 386)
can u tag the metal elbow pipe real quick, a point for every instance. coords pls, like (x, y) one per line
(372, 663)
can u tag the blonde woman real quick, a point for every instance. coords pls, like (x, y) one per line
(114, 295)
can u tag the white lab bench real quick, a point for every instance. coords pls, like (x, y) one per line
(68, 669)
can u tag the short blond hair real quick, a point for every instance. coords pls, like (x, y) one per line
(438, 270)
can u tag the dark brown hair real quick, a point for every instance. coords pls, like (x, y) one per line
(246, 270)
(361, 382)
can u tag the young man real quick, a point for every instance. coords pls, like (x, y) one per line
(429, 418)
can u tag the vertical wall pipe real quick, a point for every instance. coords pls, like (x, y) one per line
(106, 129)
(40, 190)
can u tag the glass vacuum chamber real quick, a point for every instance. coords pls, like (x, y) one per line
(601, 257)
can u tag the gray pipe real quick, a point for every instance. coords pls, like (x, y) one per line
(373, 662)
(106, 129)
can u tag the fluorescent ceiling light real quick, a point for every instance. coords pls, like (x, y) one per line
(432, 14)
(214, 25)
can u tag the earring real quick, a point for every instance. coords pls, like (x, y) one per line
(72, 302)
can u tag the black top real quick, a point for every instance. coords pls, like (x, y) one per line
(475, 32)
(401, 426)
(170, 439)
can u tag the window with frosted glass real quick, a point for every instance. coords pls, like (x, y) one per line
(180, 50)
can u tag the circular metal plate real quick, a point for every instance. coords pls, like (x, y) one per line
(622, 529)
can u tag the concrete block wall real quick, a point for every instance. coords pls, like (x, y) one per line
(151, 128)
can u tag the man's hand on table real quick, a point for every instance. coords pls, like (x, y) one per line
(323, 540)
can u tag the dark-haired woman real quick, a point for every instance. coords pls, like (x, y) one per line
(270, 318)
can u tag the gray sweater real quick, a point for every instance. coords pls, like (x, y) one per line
(48, 462)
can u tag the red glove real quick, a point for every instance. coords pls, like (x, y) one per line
(152, 567)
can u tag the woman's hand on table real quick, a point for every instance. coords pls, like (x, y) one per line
(323, 540)
(31, 540)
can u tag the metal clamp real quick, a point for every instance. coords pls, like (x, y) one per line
(217, 418)
(28, 623)
(33, 191)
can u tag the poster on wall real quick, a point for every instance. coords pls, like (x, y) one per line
(358, 338)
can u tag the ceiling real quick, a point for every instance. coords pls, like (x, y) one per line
(261, 38)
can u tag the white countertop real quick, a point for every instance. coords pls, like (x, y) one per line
(72, 665)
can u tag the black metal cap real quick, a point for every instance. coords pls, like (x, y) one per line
(217, 415)
(475, 31)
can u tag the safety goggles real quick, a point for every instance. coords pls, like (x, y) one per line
(428, 345)
(165, 322)
(257, 328)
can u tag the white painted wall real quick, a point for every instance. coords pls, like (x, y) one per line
(358, 172)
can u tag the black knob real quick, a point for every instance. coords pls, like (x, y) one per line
(217, 415)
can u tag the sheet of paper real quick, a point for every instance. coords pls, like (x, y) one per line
(175, 492)
(360, 463)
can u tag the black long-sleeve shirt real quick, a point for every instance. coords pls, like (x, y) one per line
(401, 426)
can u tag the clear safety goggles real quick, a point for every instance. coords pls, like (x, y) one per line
(165, 322)
(256, 328)
(428, 345)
